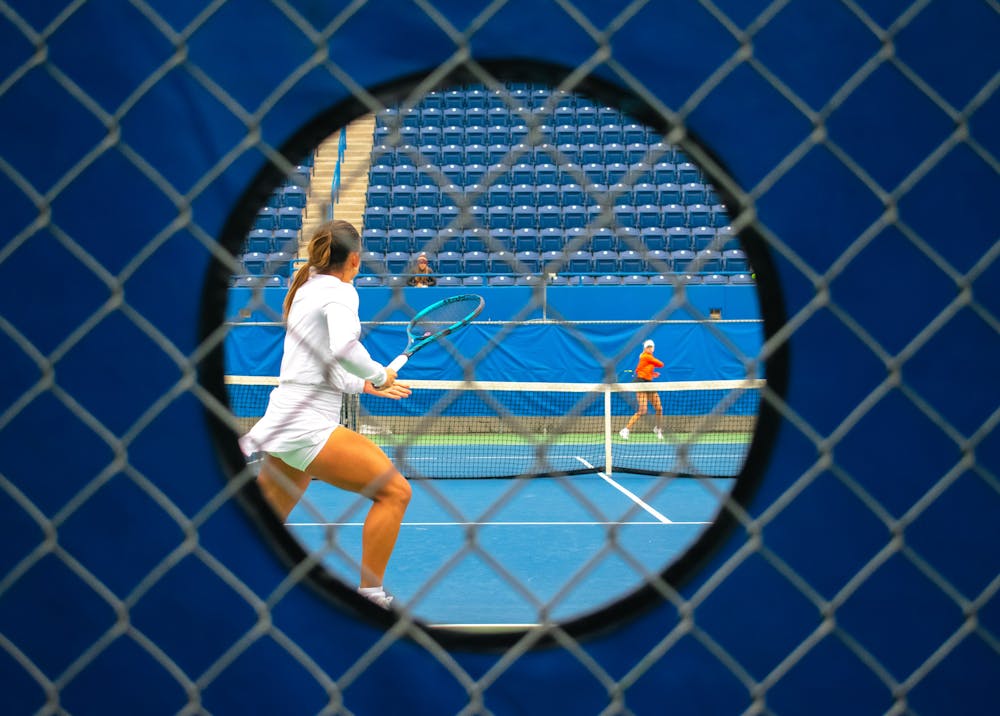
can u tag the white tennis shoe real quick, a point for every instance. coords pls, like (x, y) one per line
(658, 433)
(624, 433)
(379, 598)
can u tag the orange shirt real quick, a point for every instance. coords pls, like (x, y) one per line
(646, 364)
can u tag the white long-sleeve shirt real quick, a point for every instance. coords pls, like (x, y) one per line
(322, 339)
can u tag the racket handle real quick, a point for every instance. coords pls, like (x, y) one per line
(398, 362)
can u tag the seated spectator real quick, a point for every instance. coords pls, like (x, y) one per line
(422, 273)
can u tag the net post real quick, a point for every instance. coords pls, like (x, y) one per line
(607, 430)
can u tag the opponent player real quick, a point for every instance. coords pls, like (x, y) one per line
(644, 373)
(300, 432)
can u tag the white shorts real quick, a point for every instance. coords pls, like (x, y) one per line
(297, 424)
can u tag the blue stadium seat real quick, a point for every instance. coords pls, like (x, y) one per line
(529, 261)
(661, 279)
(378, 195)
(621, 194)
(501, 281)
(673, 215)
(294, 196)
(447, 239)
(474, 173)
(425, 240)
(259, 240)
(603, 239)
(741, 278)
(678, 237)
(477, 154)
(404, 174)
(254, 263)
(565, 134)
(653, 238)
(615, 172)
(614, 153)
(425, 217)
(475, 262)
(525, 217)
(452, 133)
(548, 194)
(587, 133)
(449, 262)
(645, 193)
(448, 281)
(634, 280)
(727, 239)
(410, 117)
(659, 261)
(627, 238)
(285, 240)
(625, 216)
(522, 173)
(633, 133)
(668, 193)
(687, 173)
(500, 217)
(401, 195)
(648, 216)
(373, 263)
(476, 99)
(518, 131)
(632, 262)
(453, 114)
(591, 154)
(636, 152)
(608, 280)
(550, 240)
(399, 240)
(497, 121)
(574, 217)
(548, 217)
(431, 116)
(500, 240)
(473, 281)
(699, 215)
(433, 99)
(380, 174)
(568, 152)
(499, 195)
(595, 173)
(429, 137)
(279, 263)
(703, 237)
(498, 148)
(526, 240)
(528, 280)
(452, 154)
(476, 133)
(735, 260)
(427, 195)
(580, 261)
(523, 195)
(715, 279)
(571, 194)
(664, 173)
(720, 215)
(397, 261)
(570, 173)
(266, 219)
(681, 259)
(501, 262)
(376, 217)
(475, 239)
(401, 217)
(447, 215)
(693, 193)
(552, 261)
(641, 173)
(606, 261)
(367, 281)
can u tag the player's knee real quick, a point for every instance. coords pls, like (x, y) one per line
(396, 490)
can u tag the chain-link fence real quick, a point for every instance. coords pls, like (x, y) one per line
(856, 149)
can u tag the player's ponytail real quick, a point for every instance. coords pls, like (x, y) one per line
(329, 247)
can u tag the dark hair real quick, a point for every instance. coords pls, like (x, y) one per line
(329, 247)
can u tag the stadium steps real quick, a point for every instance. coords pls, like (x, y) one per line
(353, 177)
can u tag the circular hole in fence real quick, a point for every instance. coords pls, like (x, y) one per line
(577, 449)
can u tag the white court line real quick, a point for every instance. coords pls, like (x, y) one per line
(647, 523)
(628, 493)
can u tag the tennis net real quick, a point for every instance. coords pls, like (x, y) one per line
(458, 429)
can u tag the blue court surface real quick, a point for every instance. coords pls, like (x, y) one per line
(481, 552)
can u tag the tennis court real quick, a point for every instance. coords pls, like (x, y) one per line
(481, 553)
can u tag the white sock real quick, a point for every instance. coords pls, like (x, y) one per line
(371, 591)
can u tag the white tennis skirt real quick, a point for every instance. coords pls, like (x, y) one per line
(296, 425)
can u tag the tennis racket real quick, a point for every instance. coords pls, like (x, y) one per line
(436, 321)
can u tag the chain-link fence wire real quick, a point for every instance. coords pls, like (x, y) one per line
(865, 557)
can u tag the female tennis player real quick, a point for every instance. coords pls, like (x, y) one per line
(300, 433)
(644, 373)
